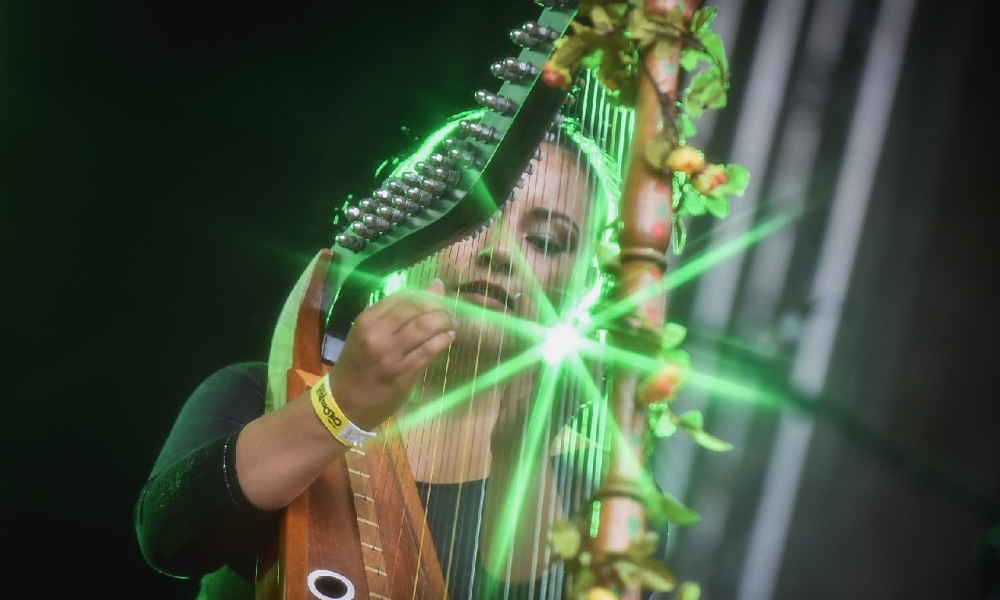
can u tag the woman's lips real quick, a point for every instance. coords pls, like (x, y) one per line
(486, 294)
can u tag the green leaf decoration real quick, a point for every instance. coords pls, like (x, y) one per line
(692, 204)
(673, 510)
(657, 150)
(642, 29)
(737, 178)
(592, 60)
(679, 236)
(643, 546)
(678, 357)
(691, 420)
(565, 539)
(712, 43)
(656, 576)
(689, 590)
(692, 57)
(695, 205)
(709, 441)
(662, 423)
(702, 18)
(717, 205)
(628, 572)
(672, 336)
(582, 582)
(601, 20)
(706, 91)
(685, 126)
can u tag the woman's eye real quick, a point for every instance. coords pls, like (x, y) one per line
(547, 244)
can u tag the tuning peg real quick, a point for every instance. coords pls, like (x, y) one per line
(351, 242)
(534, 36)
(448, 177)
(363, 230)
(502, 105)
(440, 161)
(478, 131)
(463, 153)
(431, 186)
(407, 206)
(353, 213)
(514, 70)
(393, 215)
(377, 223)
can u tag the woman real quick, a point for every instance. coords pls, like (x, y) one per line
(228, 467)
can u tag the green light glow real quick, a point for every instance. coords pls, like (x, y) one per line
(564, 343)
(695, 267)
(560, 341)
(527, 469)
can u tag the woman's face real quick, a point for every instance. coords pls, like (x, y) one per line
(521, 265)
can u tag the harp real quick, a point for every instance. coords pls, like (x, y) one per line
(334, 541)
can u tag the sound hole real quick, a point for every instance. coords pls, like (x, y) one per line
(331, 588)
(327, 585)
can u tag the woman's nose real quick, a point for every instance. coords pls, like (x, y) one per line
(495, 249)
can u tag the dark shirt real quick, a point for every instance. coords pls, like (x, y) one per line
(193, 520)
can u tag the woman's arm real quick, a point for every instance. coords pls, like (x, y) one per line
(227, 467)
(386, 351)
(192, 517)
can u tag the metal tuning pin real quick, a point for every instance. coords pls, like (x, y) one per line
(352, 242)
(361, 229)
(353, 213)
(382, 197)
(461, 152)
(402, 204)
(514, 70)
(431, 186)
(391, 214)
(447, 177)
(439, 160)
(368, 205)
(534, 36)
(502, 105)
(358, 233)
(400, 188)
(476, 131)
(377, 223)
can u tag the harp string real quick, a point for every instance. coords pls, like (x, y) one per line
(446, 426)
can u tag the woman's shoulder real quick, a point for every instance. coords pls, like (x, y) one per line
(237, 390)
(246, 372)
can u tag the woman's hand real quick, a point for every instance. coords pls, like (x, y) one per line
(387, 350)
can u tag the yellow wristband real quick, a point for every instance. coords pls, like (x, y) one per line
(334, 419)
